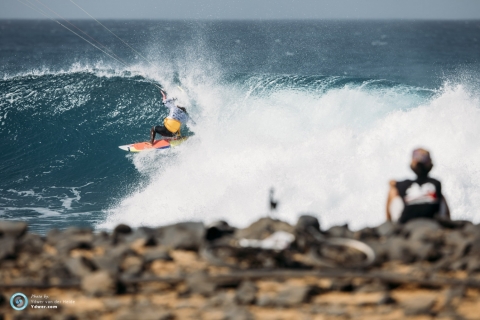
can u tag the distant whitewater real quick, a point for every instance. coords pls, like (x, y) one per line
(328, 140)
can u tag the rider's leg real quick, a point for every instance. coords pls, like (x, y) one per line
(152, 135)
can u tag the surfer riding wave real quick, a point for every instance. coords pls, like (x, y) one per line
(173, 122)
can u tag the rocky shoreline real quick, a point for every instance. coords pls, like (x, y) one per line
(425, 269)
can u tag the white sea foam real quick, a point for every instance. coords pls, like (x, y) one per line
(67, 201)
(328, 153)
(25, 193)
(44, 212)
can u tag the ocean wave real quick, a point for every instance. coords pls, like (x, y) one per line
(328, 146)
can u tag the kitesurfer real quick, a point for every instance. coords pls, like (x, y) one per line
(422, 197)
(172, 123)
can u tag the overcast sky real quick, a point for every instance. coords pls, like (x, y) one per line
(248, 9)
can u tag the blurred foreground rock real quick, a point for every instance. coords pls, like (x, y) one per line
(425, 269)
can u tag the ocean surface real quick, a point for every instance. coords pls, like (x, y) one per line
(325, 112)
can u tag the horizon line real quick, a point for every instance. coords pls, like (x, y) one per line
(249, 19)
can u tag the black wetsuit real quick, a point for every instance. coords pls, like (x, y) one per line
(163, 131)
(421, 198)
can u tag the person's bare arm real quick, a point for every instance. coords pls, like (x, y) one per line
(392, 193)
(164, 96)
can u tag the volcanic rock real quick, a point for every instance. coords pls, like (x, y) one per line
(185, 235)
(12, 229)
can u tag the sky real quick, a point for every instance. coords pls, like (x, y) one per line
(247, 9)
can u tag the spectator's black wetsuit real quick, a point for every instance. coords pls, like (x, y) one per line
(421, 198)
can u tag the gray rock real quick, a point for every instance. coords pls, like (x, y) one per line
(421, 251)
(122, 229)
(457, 243)
(113, 304)
(147, 235)
(132, 265)
(238, 313)
(31, 244)
(335, 310)
(305, 222)
(58, 270)
(459, 264)
(7, 248)
(307, 234)
(420, 229)
(12, 229)
(119, 252)
(99, 283)
(340, 232)
(77, 231)
(198, 283)
(113, 257)
(344, 285)
(475, 246)
(381, 250)
(101, 239)
(471, 229)
(386, 299)
(397, 249)
(262, 228)
(53, 236)
(219, 299)
(418, 306)
(445, 264)
(74, 242)
(157, 253)
(450, 314)
(107, 264)
(386, 229)
(246, 293)
(184, 236)
(366, 234)
(217, 230)
(72, 238)
(407, 251)
(264, 300)
(473, 263)
(374, 286)
(79, 266)
(292, 296)
(452, 293)
(452, 224)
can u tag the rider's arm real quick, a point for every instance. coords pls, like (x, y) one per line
(169, 103)
(392, 193)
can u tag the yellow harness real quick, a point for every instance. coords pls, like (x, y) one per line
(172, 125)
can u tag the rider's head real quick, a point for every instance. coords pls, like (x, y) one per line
(421, 162)
(182, 108)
